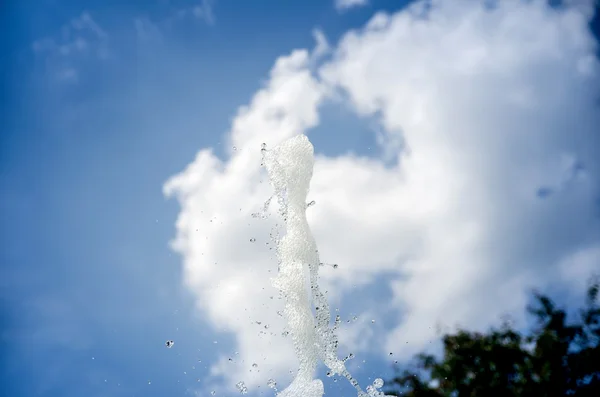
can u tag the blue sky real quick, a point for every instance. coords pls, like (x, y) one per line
(91, 289)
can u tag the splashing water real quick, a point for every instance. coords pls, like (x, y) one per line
(241, 386)
(272, 384)
(290, 168)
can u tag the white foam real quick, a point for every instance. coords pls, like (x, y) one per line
(290, 169)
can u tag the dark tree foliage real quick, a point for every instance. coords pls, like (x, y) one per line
(554, 358)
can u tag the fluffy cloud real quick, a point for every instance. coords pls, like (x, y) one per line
(493, 188)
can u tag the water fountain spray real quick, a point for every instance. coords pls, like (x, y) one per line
(290, 169)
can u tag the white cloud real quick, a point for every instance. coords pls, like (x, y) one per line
(146, 30)
(82, 38)
(86, 22)
(322, 47)
(204, 11)
(342, 5)
(576, 268)
(201, 10)
(490, 105)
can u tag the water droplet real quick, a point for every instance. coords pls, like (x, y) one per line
(241, 386)
(354, 318)
(169, 343)
(255, 365)
(252, 240)
(311, 204)
(335, 265)
(391, 353)
(329, 374)
(351, 356)
(378, 383)
(149, 382)
(373, 321)
(212, 393)
(234, 148)
(271, 383)
(263, 147)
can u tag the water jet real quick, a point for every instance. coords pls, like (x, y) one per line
(290, 169)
